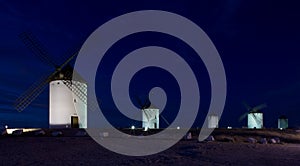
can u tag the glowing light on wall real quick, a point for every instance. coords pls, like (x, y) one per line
(10, 131)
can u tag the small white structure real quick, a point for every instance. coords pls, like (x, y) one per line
(283, 122)
(64, 104)
(150, 118)
(255, 120)
(213, 121)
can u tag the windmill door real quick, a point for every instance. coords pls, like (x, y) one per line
(74, 121)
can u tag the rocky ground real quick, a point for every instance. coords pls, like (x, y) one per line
(228, 148)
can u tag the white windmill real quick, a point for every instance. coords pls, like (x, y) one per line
(283, 122)
(67, 97)
(255, 116)
(150, 115)
(213, 121)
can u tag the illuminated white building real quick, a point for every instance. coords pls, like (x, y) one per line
(66, 109)
(283, 122)
(213, 121)
(255, 120)
(150, 118)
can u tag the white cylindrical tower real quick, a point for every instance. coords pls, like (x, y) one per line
(150, 118)
(255, 120)
(283, 122)
(63, 104)
(213, 121)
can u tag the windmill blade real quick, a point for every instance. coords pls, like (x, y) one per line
(139, 102)
(255, 117)
(68, 61)
(152, 121)
(32, 93)
(143, 105)
(79, 90)
(259, 107)
(147, 104)
(147, 115)
(243, 116)
(70, 51)
(167, 122)
(34, 45)
(152, 114)
(149, 120)
(247, 106)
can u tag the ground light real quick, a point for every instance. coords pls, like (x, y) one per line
(10, 131)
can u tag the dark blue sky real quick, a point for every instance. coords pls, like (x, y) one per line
(258, 41)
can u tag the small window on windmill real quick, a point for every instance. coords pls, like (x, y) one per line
(75, 101)
(61, 75)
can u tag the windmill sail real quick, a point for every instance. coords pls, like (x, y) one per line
(38, 50)
(62, 104)
(150, 114)
(35, 90)
(31, 94)
(259, 107)
(243, 116)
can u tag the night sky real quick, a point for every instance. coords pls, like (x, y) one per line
(258, 41)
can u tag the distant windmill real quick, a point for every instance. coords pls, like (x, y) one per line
(283, 122)
(213, 121)
(255, 116)
(64, 107)
(150, 115)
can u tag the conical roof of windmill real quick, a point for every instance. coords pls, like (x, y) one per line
(67, 73)
(152, 107)
(282, 117)
(255, 111)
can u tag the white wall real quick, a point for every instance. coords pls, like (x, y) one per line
(213, 121)
(255, 120)
(62, 106)
(283, 123)
(150, 118)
